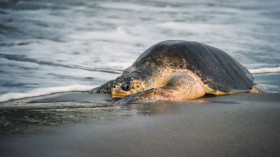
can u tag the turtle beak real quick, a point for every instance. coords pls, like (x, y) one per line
(118, 95)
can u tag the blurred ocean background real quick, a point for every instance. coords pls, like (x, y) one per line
(49, 46)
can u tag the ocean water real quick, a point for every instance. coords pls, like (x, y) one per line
(49, 46)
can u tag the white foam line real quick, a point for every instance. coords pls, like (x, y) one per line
(44, 91)
(138, 7)
(265, 70)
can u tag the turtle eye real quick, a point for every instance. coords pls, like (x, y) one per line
(114, 85)
(126, 87)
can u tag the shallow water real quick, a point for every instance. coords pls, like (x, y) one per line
(76, 45)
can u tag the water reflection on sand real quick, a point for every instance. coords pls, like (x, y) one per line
(33, 115)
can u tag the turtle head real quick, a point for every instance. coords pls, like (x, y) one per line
(127, 84)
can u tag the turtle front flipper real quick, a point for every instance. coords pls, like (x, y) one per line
(105, 88)
(181, 87)
(133, 97)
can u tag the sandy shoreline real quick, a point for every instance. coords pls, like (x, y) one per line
(235, 125)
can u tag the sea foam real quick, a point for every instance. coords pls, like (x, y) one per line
(44, 91)
(265, 70)
(119, 34)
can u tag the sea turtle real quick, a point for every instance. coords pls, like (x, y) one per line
(177, 70)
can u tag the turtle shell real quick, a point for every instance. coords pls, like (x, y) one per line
(217, 70)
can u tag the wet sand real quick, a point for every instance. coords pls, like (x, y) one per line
(79, 124)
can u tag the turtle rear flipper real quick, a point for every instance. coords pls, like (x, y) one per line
(255, 90)
(180, 88)
(105, 88)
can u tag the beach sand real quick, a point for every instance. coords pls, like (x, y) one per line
(80, 124)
